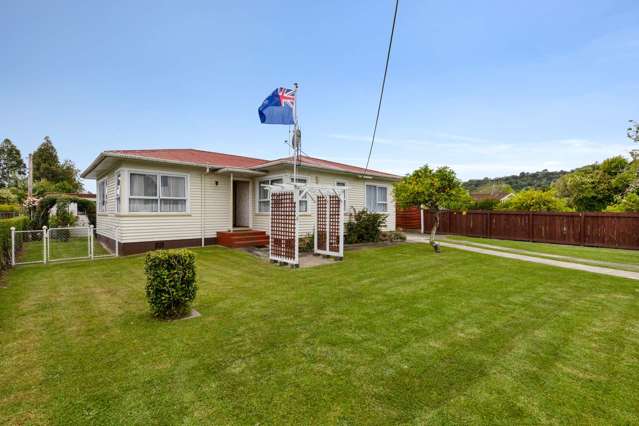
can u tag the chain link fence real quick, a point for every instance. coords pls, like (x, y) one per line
(63, 244)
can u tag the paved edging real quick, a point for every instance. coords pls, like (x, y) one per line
(560, 264)
(604, 263)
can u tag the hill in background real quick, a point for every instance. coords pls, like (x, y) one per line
(524, 180)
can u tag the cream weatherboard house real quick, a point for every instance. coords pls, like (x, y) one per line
(165, 198)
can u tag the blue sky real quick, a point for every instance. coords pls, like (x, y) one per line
(489, 88)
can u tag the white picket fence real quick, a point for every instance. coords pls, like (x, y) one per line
(50, 245)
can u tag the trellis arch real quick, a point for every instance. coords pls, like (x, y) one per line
(284, 220)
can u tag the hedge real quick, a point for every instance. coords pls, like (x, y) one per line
(170, 282)
(13, 208)
(20, 223)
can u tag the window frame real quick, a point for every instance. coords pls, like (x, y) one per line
(158, 176)
(345, 185)
(118, 191)
(377, 202)
(102, 192)
(305, 199)
(259, 200)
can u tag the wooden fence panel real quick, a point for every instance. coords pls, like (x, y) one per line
(561, 228)
(408, 218)
(477, 223)
(509, 226)
(616, 230)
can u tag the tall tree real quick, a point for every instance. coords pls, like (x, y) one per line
(48, 171)
(12, 168)
(633, 131)
(596, 186)
(46, 164)
(431, 189)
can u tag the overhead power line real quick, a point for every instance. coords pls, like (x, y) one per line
(381, 94)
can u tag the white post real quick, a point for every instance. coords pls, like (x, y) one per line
(116, 235)
(341, 225)
(297, 225)
(421, 218)
(328, 223)
(30, 177)
(202, 207)
(295, 139)
(13, 246)
(315, 229)
(45, 244)
(90, 230)
(231, 204)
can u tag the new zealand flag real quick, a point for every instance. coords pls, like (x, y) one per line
(278, 108)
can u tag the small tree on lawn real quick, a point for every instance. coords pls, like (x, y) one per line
(431, 189)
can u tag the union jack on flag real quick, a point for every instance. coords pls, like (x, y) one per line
(278, 107)
(287, 97)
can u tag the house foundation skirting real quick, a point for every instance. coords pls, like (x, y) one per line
(144, 246)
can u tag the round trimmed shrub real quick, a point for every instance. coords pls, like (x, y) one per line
(170, 282)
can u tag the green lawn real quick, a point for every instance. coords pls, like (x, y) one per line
(390, 335)
(587, 253)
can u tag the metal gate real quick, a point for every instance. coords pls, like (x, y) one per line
(28, 246)
(63, 244)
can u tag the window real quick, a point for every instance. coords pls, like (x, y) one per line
(102, 195)
(344, 201)
(376, 199)
(304, 200)
(117, 193)
(152, 193)
(264, 194)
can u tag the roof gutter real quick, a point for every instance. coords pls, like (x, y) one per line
(106, 154)
(369, 175)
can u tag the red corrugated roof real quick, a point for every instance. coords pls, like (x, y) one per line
(207, 158)
(195, 156)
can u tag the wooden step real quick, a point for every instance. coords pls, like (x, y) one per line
(243, 238)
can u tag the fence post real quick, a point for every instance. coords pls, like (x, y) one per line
(45, 244)
(13, 246)
(421, 217)
(91, 242)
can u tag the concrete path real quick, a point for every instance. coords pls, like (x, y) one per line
(417, 238)
(613, 265)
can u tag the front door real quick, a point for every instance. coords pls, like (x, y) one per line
(241, 204)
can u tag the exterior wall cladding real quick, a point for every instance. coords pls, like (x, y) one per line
(209, 206)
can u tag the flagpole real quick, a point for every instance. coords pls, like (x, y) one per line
(296, 141)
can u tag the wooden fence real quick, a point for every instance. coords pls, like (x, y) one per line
(407, 218)
(616, 230)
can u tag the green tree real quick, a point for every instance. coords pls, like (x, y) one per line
(596, 186)
(46, 164)
(12, 168)
(627, 203)
(535, 200)
(633, 131)
(61, 177)
(431, 189)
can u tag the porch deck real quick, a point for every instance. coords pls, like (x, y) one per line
(243, 238)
